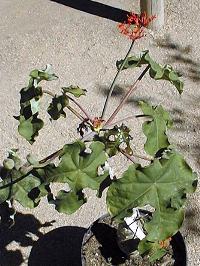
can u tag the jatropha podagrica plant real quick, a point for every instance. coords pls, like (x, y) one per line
(162, 184)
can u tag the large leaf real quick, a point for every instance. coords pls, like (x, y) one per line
(156, 70)
(55, 109)
(75, 90)
(69, 202)
(157, 184)
(78, 168)
(155, 130)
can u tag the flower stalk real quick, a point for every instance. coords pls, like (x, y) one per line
(125, 120)
(115, 79)
(80, 107)
(126, 96)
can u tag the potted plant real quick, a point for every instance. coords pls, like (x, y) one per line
(146, 203)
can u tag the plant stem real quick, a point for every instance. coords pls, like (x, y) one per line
(143, 157)
(126, 119)
(114, 81)
(80, 107)
(51, 157)
(135, 155)
(76, 113)
(69, 107)
(126, 96)
(127, 156)
(26, 168)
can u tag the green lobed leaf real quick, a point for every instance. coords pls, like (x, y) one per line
(29, 128)
(78, 168)
(69, 202)
(19, 191)
(75, 90)
(55, 109)
(29, 104)
(156, 70)
(155, 184)
(133, 61)
(46, 74)
(155, 130)
(165, 223)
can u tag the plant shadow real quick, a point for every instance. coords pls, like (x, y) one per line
(96, 8)
(182, 55)
(59, 247)
(25, 228)
(119, 91)
(192, 220)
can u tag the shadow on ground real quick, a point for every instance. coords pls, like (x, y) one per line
(182, 55)
(59, 247)
(192, 220)
(96, 8)
(23, 232)
(119, 92)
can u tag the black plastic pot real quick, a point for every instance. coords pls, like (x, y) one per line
(96, 228)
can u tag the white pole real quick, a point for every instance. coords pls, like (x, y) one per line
(154, 7)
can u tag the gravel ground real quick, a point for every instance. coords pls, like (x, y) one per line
(83, 49)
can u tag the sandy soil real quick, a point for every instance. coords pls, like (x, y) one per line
(83, 49)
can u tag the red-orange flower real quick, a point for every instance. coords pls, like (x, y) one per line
(97, 123)
(141, 20)
(134, 26)
(133, 33)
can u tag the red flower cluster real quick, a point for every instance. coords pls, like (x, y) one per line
(134, 26)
